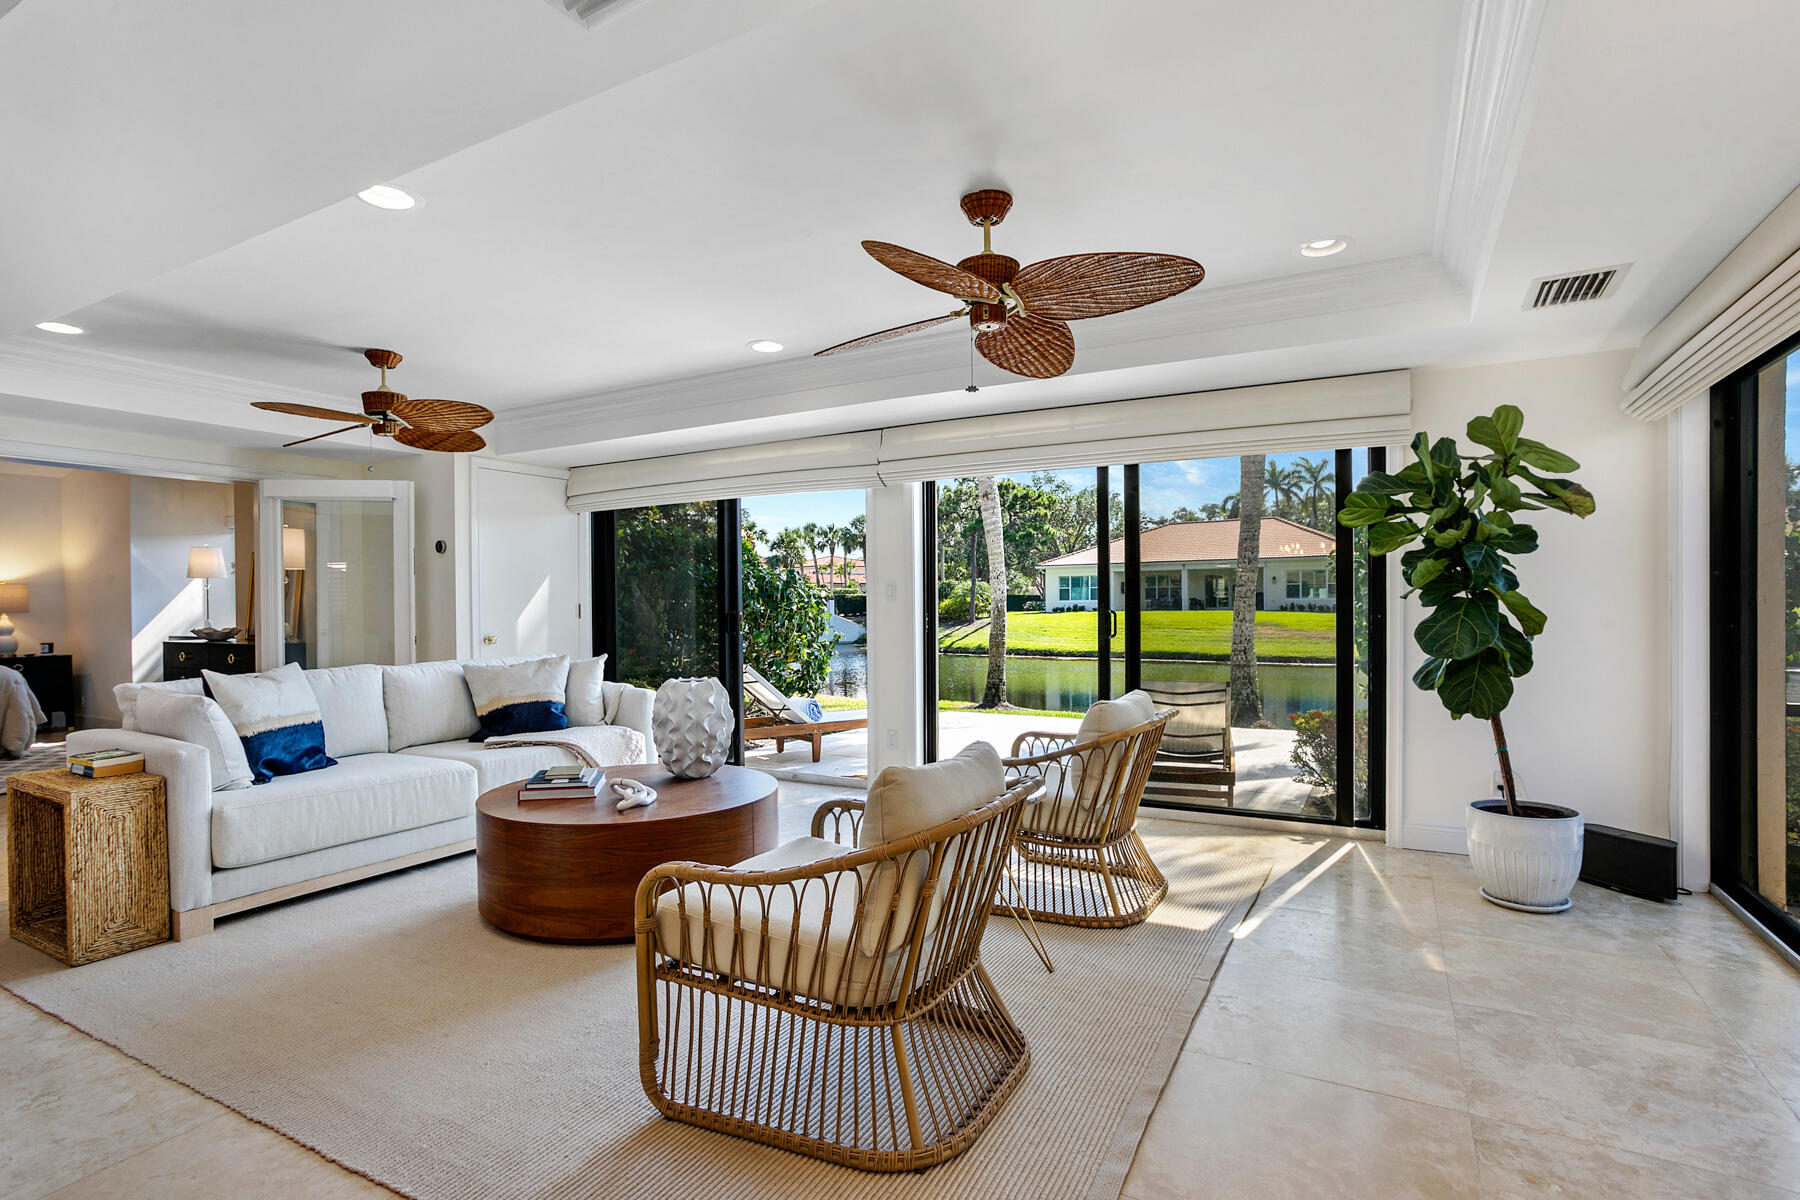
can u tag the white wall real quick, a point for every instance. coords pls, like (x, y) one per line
(1588, 727)
(168, 518)
(31, 550)
(96, 511)
(441, 507)
(896, 642)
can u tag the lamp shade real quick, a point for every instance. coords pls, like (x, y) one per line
(15, 597)
(293, 548)
(206, 562)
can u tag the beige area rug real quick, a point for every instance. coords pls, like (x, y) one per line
(386, 1026)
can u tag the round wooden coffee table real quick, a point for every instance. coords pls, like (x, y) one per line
(568, 870)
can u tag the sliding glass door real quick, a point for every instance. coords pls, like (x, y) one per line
(1756, 642)
(666, 594)
(1219, 586)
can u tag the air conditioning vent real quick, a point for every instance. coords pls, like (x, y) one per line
(1554, 291)
(589, 13)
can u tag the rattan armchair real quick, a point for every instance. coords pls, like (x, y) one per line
(1079, 859)
(832, 1001)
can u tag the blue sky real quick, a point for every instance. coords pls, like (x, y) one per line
(1793, 408)
(1162, 487)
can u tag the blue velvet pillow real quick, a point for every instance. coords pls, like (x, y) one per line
(276, 716)
(518, 696)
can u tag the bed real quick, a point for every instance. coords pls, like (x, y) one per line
(20, 714)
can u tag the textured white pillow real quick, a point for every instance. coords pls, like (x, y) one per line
(199, 721)
(426, 703)
(585, 700)
(352, 707)
(127, 694)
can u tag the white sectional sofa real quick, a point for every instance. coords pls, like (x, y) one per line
(402, 792)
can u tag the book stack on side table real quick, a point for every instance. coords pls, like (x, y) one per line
(104, 764)
(564, 783)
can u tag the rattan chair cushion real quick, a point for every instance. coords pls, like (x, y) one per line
(802, 948)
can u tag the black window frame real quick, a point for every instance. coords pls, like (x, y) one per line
(1732, 583)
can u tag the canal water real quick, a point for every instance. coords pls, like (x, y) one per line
(1072, 684)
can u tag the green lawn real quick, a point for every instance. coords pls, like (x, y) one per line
(1280, 636)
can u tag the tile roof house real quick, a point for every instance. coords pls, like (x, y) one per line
(1192, 565)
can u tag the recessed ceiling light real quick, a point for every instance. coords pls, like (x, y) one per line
(1324, 247)
(386, 195)
(60, 327)
(765, 346)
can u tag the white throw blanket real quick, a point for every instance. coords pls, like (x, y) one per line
(20, 715)
(592, 745)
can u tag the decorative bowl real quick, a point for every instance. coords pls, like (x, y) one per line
(215, 635)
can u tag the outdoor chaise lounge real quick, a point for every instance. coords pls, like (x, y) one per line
(783, 718)
(1079, 859)
(829, 998)
(1196, 763)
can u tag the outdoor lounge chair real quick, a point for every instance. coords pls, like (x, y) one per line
(782, 719)
(831, 1000)
(1196, 763)
(1079, 859)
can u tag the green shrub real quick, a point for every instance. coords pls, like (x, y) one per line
(1315, 748)
(954, 608)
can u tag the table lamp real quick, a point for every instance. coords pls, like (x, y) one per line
(206, 563)
(14, 598)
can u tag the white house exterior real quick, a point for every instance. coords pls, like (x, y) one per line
(1193, 565)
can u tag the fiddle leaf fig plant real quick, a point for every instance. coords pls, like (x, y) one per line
(1458, 512)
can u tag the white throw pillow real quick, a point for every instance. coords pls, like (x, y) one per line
(426, 703)
(127, 694)
(585, 698)
(903, 801)
(1103, 718)
(276, 716)
(352, 707)
(517, 697)
(199, 721)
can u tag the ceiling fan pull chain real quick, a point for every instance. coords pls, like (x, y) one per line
(971, 387)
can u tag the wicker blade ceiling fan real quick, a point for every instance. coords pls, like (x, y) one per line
(1020, 315)
(442, 425)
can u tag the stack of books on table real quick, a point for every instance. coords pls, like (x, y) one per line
(104, 764)
(564, 783)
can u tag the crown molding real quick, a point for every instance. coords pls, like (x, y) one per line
(924, 363)
(1500, 67)
(51, 368)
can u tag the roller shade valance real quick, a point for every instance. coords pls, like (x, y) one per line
(803, 465)
(1748, 305)
(1315, 414)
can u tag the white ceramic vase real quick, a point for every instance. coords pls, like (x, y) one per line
(1527, 863)
(691, 724)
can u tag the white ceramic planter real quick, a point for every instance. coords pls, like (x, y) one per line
(1527, 863)
(691, 723)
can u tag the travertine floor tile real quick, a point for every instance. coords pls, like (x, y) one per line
(70, 1105)
(1702, 1106)
(228, 1158)
(1380, 1041)
(1639, 993)
(1229, 1130)
(1401, 954)
(1527, 1164)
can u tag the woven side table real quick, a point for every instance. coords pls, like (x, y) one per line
(89, 863)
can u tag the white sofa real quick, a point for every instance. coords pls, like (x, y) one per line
(402, 792)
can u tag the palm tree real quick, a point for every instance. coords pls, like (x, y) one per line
(788, 549)
(812, 537)
(1246, 700)
(1283, 486)
(1317, 476)
(856, 536)
(832, 535)
(988, 491)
